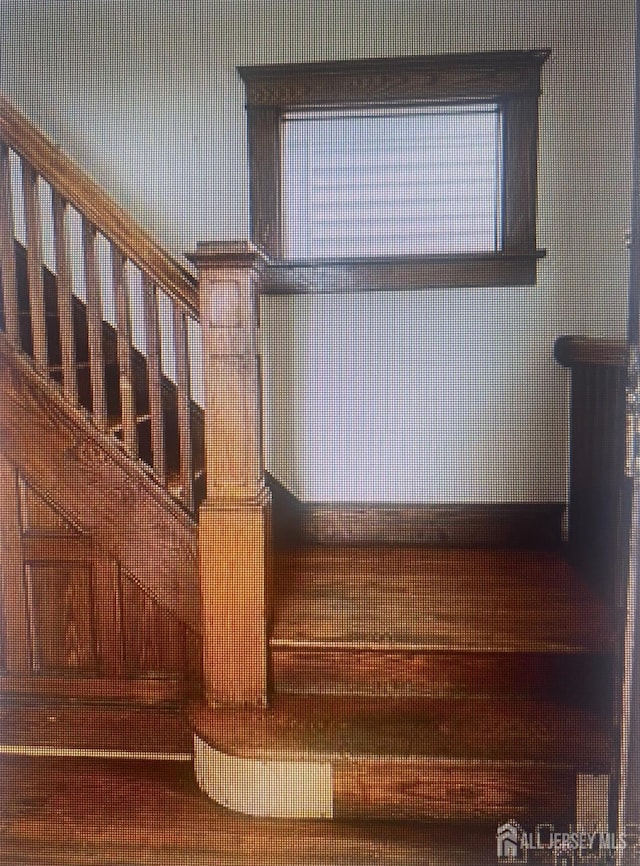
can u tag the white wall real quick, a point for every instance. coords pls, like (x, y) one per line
(444, 396)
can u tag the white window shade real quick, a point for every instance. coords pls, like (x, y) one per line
(391, 182)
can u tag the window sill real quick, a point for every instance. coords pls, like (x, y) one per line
(403, 273)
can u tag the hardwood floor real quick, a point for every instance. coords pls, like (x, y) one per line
(69, 812)
(423, 759)
(438, 622)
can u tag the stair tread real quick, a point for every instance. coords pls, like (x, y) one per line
(435, 599)
(409, 729)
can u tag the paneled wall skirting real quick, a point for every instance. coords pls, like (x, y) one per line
(75, 622)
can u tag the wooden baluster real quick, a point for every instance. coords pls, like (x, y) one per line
(65, 298)
(184, 404)
(34, 264)
(94, 325)
(7, 251)
(125, 362)
(154, 373)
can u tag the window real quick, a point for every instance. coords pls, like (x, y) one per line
(408, 173)
(397, 181)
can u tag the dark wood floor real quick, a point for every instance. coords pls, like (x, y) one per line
(87, 811)
(426, 598)
(92, 810)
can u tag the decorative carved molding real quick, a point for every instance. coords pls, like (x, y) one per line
(96, 487)
(511, 79)
(448, 76)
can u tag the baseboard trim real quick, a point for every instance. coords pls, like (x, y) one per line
(528, 525)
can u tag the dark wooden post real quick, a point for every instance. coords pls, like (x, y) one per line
(234, 528)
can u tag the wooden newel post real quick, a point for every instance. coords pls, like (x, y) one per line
(234, 528)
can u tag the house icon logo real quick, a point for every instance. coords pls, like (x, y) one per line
(509, 845)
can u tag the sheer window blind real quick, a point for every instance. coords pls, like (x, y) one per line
(392, 181)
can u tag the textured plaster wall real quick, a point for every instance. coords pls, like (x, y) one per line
(445, 396)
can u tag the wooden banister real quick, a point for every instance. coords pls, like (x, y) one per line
(65, 300)
(92, 201)
(125, 353)
(34, 263)
(603, 351)
(94, 325)
(154, 369)
(7, 260)
(184, 405)
(78, 326)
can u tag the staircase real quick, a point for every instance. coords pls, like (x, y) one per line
(422, 684)
(400, 682)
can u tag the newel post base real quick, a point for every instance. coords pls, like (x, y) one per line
(235, 519)
(235, 586)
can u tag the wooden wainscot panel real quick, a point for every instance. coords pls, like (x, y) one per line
(16, 641)
(122, 731)
(108, 615)
(154, 641)
(38, 515)
(97, 487)
(147, 691)
(61, 617)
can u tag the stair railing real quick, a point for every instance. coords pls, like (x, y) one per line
(99, 306)
(102, 310)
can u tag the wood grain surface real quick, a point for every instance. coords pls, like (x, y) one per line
(97, 488)
(407, 729)
(91, 200)
(421, 598)
(69, 812)
(59, 725)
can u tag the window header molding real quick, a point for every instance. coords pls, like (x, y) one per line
(510, 78)
(403, 79)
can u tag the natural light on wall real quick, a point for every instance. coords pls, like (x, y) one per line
(412, 180)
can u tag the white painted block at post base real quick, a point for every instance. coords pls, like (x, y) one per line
(592, 803)
(263, 788)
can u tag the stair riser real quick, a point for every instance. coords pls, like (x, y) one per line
(583, 679)
(416, 791)
(379, 789)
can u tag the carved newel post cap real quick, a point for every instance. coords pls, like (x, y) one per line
(238, 254)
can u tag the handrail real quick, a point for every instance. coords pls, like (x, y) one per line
(137, 384)
(80, 190)
(577, 349)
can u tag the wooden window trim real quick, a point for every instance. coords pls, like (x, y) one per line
(512, 79)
